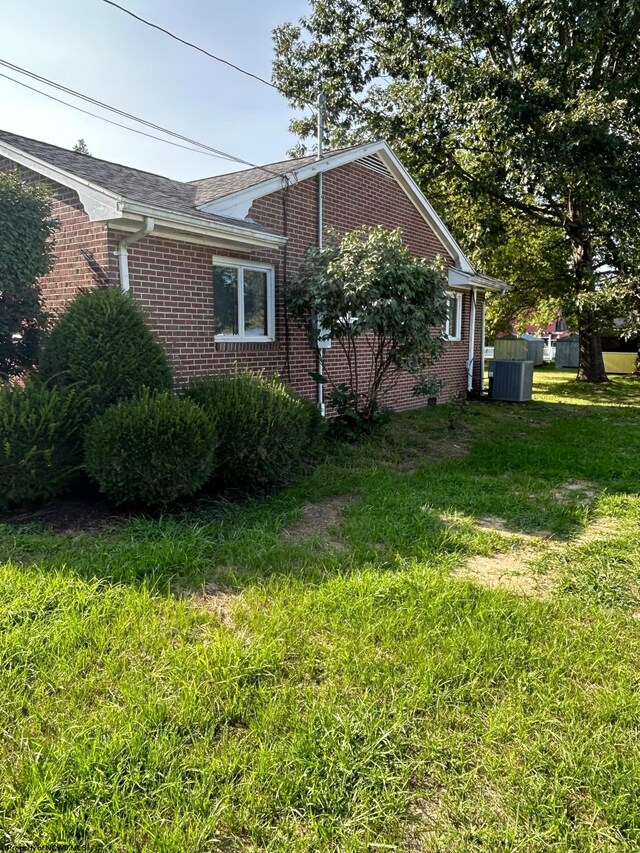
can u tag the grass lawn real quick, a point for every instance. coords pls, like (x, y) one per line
(431, 644)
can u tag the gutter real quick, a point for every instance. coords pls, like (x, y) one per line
(123, 245)
(199, 226)
(322, 98)
(472, 338)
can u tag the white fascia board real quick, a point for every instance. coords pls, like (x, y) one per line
(100, 204)
(459, 278)
(423, 207)
(484, 282)
(239, 203)
(228, 232)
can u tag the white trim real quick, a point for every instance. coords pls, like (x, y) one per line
(483, 342)
(445, 326)
(238, 204)
(240, 266)
(460, 278)
(98, 202)
(102, 205)
(472, 338)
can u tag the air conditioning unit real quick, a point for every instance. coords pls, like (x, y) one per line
(511, 381)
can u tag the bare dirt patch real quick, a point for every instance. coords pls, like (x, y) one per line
(217, 602)
(572, 490)
(513, 570)
(493, 524)
(319, 521)
(510, 571)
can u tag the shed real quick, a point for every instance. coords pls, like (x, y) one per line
(510, 348)
(568, 352)
(535, 347)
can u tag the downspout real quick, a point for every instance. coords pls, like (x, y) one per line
(472, 339)
(123, 245)
(319, 354)
(483, 340)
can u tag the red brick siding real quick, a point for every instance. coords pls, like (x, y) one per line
(81, 246)
(173, 280)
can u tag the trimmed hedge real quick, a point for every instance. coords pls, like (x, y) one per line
(104, 348)
(265, 431)
(39, 437)
(150, 451)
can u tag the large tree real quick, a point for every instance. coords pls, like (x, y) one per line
(526, 108)
(26, 253)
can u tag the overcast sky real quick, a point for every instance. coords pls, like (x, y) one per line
(99, 51)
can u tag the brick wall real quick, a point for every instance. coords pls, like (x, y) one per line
(173, 280)
(81, 246)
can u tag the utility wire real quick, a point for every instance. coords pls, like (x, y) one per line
(201, 49)
(190, 44)
(89, 99)
(110, 121)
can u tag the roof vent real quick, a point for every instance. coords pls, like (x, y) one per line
(374, 163)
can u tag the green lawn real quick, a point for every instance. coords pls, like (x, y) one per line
(348, 681)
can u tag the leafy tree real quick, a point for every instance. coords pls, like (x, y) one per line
(372, 298)
(81, 147)
(530, 107)
(26, 254)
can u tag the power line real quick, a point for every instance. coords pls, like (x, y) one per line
(222, 154)
(110, 121)
(191, 45)
(202, 50)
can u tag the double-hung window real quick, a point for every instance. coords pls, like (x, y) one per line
(452, 326)
(243, 301)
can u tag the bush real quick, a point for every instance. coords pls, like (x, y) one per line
(104, 348)
(150, 451)
(265, 431)
(39, 436)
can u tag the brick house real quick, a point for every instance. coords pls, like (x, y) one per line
(233, 240)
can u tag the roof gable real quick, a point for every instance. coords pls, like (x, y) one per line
(238, 199)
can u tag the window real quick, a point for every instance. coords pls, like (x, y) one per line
(243, 302)
(452, 326)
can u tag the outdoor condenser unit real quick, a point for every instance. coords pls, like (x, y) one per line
(511, 381)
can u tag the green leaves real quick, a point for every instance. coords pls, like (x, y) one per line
(103, 346)
(525, 108)
(26, 254)
(151, 451)
(383, 307)
(39, 436)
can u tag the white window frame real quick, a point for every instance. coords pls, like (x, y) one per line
(241, 266)
(446, 330)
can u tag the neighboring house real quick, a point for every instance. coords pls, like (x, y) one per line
(208, 258)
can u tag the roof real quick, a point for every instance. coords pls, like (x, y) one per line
(133, 184)
(209, 189)
(218, 206)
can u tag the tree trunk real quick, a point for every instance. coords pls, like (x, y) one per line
(591, 367)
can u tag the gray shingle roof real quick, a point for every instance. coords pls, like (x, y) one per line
(133, 184)
(210, 189)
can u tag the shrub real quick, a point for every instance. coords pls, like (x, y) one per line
(103, 346)
(150, 451)
(39, 435)
(265, 431)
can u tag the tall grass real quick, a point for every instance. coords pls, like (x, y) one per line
(341, 699)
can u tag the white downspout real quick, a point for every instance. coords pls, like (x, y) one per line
(483, 341)
(320, 361)
(472, 339)
(123, 245)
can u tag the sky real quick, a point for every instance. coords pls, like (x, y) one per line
(99, 51)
